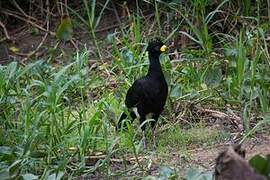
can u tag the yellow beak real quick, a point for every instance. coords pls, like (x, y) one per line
(163, 48)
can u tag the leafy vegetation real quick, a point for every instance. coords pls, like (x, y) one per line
(58, 119)
(261, 164)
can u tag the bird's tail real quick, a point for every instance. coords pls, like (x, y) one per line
(122, 118)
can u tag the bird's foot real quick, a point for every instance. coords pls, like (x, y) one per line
(154, 139)
(144, 144)
(154, 147)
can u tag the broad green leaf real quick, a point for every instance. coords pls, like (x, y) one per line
(128, 56)
(166, 173)
(14, 168)
(64, 30)
(6, 154)
(176, 91)
(28, 68)
(59, 74)
(5, 150)
(11, 69)
(37, 83)
(4, 174)
(67, 84)
(29, 176)
(56, 176)
(213, 76)
(199, 174)
(38, 154)
(111, 38)
(231, 52)
(261, 164)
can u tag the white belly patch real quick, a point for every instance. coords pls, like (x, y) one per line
(135, 110)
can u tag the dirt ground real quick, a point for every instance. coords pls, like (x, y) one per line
(177, 160)
(26, 42)
(206, 157)
(203, 158)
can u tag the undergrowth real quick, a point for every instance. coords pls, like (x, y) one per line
(54, 117)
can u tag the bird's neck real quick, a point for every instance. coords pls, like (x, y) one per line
(155, 67)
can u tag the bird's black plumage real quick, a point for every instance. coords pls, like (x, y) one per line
(148, 94)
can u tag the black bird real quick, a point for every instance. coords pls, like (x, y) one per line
(147, 95)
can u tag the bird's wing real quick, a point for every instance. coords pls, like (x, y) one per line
(135, 94)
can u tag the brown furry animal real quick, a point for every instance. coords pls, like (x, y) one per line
(231, 165)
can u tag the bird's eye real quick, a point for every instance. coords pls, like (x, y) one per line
(157, 48)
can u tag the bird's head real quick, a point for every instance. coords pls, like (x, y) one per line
(156, 47)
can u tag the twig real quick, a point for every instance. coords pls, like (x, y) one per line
(5, 30)
(116, 13)
(179, 118)
(22, 14)
(41, 8)
(107, 28)
(74, 44)
(35, 51)
(28, 21)
(217, 114)
(4, 57)
(94, 158)
(19, 8)
(43, 39)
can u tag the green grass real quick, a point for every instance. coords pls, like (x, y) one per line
(179, 139)
(54, 116)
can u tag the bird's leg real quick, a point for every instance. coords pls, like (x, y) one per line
(144, 141)
(154, 138)
(154, 125)
(143, 126)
